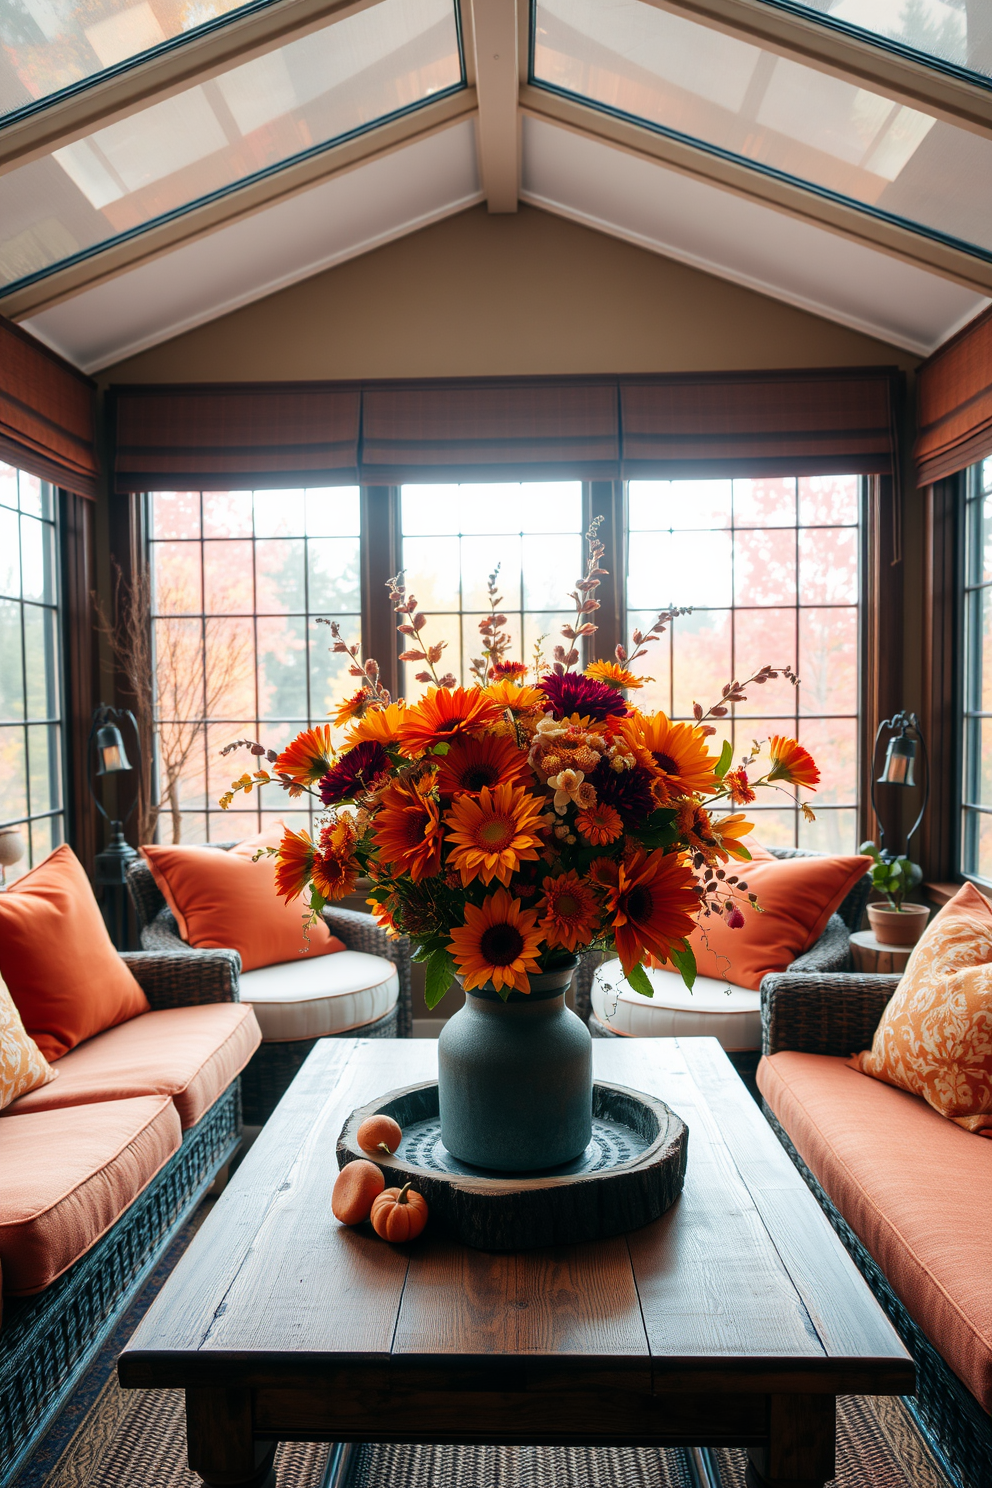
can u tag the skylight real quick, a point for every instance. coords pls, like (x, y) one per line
(950, 31)
(777, 115)
(245, 122)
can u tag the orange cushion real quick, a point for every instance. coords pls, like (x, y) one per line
(52, 1212)
(58, 961)
(915, 1189)
(797, 897)
(23, 1067)
(935, 1036)
(224, 900)
(191, 1054)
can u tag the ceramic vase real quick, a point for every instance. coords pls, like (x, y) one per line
(515, 1078)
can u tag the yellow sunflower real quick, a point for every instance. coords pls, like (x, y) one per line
(443, 714)
(679, 751)
(614, 675)
(498, 943)
(494, 832)
(569, 912)
(518, 698)
(377, 725)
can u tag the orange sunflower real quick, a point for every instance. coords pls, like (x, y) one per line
(599, 824)
(407, 831)
(569, 912)
(651, 906)
(294, 864)
(310, 756)
(474, 761)
(498, 943)
(614, 675)
(678, 750)
(790, 762)
(442, 715)
(494, 832)
(377, 725)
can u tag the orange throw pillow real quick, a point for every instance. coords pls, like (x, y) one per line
(67, 981)
(797, 897)
(935, 1037)
(224, 900)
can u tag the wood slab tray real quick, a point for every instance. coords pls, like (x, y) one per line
(631, 1172)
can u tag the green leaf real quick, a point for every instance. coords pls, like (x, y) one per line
(725, 760)
(638, 978)
(684, 961)
(441, 749)
(658, 831)
(440, 975)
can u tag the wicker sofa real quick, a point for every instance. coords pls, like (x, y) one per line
(48, 1339)
(909, 1194)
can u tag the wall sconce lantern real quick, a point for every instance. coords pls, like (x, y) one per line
(106, 744)
(899, 768)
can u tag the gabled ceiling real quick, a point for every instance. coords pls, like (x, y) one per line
(826, 165)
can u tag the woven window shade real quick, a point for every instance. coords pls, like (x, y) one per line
(499, 430)
(46, 413)
(219, 437)
(818, 422)
(954, 404)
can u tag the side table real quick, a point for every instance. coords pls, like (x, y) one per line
(870, 954)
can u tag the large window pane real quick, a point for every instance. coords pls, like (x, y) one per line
(946, 30)
(976, 823)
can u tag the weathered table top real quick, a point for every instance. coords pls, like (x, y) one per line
(742, 1286)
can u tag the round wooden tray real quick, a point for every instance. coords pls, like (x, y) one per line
(631, 1172)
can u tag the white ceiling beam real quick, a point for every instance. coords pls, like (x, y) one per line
(828, 49)
(493, 26)
(784, 196)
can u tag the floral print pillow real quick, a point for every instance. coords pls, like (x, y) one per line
(23, 1067)
(935, 1037)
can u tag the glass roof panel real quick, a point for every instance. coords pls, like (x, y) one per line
(246, 121)
(955, 32)
(791, 120)
(49, 45)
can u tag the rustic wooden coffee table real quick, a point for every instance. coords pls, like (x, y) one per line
(735, 1319)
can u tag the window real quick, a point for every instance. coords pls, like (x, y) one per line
(238, 581)
(454, 537)
(976, 811)
(31, 793)
(771, 568)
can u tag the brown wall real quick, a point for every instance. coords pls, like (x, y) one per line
(524, 293)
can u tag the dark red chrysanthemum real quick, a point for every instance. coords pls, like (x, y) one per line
(627, 791)
(354, 773)
(570, 693)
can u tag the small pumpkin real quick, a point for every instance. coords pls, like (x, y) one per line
(356, 1188)
(399, 1214)
(379, 1134)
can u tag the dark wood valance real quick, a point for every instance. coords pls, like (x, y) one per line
(954, 404)
(46, 413)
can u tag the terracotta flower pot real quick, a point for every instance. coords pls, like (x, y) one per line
(900, 927)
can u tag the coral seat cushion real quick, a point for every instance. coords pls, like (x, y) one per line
(797, 896)
(67, 981)
(915, 1189)
(222, 900)
(189, 1053)
(53, 1212)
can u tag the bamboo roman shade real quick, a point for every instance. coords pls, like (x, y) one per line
(46, 413)
(954, 404)
(507, 429)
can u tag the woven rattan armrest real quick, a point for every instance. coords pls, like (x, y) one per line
(831, 1013)
(360, 932)
(188, 980)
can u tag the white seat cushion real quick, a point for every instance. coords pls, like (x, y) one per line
(319, 995)
(719, 1009)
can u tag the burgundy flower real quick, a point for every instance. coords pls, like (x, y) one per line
(734, 918)
(570, 692)
(354, 772)
(627, 791)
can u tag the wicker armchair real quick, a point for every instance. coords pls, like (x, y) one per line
(836, 1014)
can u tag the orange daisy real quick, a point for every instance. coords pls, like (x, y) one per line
(472, 762)
(407, 831)
(384, 919)
(569, 912)
(443, 714)
(377, 725)
(679, 751)
(494, 832)
(310, 756)
(739, 787)
(599, 824)
(791, 763)
(518, 698)
(352, 707)
(498, 943)
(294, 864)
(652, 906)
(335, 867)
(614, 675)
(727, 831)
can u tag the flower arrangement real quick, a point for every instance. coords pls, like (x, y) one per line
(507, 826)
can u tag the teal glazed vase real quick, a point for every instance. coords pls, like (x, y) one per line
(515, 1078)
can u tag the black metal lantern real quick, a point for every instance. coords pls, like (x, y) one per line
(899, 767)
(111, 754)
(112, 863)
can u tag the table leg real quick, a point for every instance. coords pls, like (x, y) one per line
(801, 1443)
(220, 1441)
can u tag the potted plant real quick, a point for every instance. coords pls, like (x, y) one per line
(896, 922)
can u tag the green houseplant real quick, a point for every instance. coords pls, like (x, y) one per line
(895, 876)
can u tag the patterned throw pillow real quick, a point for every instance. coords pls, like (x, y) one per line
(935, 1037)
(23, 1067)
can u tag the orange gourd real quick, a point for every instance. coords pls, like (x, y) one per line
(356, 1188)
(379, 1134)
(399, 1214)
